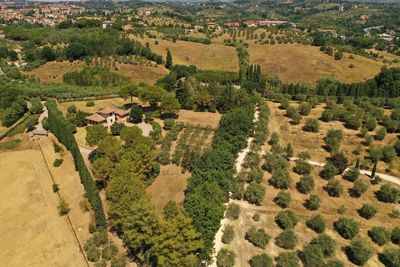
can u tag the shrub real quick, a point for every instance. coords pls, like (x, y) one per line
(57, 148)
(225, 258)
(90, 103)
(228, 235)
(381, 134)
(57, 162)
(304, 108)
(370, 123)
(258, 238)
(286, 219)
(367, 211)
(334, 188)
(390, 257)
(287, 239)
(316, 223)
(287, 259)
(256, 217)
(312, 256)
(56, 188)
(379, 235)
(346, 227)
(305, 184)
(388, 194)
(358, 252)
(168, 124)
(116, 128)
(333, 139)
(71, 109)
(311, 125)
(339, 161)
(283, 199)
(326, 243)
(302, 167)
(261, 260)
(395, 236)
(255, 193)
(351, 175)
(233, 211)
(304, 155)
(280, 179)
(388, 154)
(136, 114)
(328, 171)
(63, 207)
(313, 203)
(358, 189)
(274, 140)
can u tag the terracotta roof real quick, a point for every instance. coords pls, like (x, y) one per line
(96, 117)
(121, 112)
(107, 111)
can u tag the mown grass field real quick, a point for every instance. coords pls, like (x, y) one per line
(204, 57)
(300, 63)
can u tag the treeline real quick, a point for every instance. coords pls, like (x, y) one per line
(384, 85)
(62, 130)
(195, 39)
(213, 174)
(94, 77)
(87, 42)
(12, 104)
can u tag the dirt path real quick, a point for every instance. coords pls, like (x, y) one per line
(386, 177)
(238, 165)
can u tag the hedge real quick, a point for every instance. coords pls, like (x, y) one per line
(61, 129)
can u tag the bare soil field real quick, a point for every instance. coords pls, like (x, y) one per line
(32, 233)
(313, 142)
(201, 118)
(300, 63)
(204, 57)
(169, 185)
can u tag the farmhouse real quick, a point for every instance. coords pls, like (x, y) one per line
(107, 116)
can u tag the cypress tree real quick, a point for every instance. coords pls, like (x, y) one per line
(374, 169)
(168, 61)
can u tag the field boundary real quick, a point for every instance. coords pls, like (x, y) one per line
(68, 218)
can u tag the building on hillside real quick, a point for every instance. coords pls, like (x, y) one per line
(262, 23)
(108, 116)
(232, 24)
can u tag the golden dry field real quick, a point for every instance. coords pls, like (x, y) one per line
(52, 72)
(203, 119)
(32, 233)
(204, 57)
(300, 63)
(170, 184)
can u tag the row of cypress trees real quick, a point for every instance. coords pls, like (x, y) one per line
(62, 130)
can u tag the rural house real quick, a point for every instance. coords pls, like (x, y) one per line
(108, 116)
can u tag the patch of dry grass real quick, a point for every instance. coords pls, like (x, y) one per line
(169, 185)
(32, 232)
(300, 63)
(199, 118)
(204, 57)
(52, 72)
